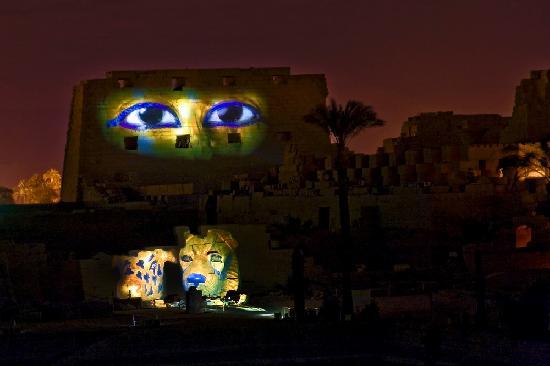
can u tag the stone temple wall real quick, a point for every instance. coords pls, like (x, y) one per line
(109, 145)
(442, 169)
(531, 115)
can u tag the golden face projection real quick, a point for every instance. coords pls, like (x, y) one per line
(183, 124)
(208, 263)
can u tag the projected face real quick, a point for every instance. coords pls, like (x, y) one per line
(209, 263)
(190, 126)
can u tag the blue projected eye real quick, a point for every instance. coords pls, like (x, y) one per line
(215, 258)
(231, 114)
(146, 116)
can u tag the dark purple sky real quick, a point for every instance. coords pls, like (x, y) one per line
(403, 57)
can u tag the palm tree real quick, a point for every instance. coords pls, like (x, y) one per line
(343, 123)
(526, 160)
(296, 235)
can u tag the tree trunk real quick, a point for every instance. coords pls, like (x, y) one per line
(346, 243)
(298, 283)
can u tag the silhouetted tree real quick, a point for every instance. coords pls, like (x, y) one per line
(526, 160)
(343, 123)
(296, 234)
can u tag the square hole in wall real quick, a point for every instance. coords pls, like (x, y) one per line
(178, 83)
(183, 142)
(131, 142)
(124, 83)
(278, 79)
(524, 235)
(234, 138)
(228, 81)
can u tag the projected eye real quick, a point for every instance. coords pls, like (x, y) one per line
(231, 114)
(215, 258)
(146, 116)
(186, 258)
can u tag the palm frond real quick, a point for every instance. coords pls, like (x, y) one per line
(344, 122)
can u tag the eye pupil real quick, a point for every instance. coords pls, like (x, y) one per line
(231, 113)
(144, 116)
(216, 258)
(151, 116)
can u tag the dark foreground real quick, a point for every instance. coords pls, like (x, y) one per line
(236, 339)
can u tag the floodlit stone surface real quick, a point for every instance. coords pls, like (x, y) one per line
(209, 263)
(270, 105)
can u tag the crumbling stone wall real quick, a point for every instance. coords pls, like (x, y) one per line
(531, 115)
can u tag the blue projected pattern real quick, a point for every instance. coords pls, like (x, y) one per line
(143, 274)
(146, 116)
(208, 263)
(231, 114)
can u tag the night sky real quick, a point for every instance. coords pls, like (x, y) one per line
(403, 57)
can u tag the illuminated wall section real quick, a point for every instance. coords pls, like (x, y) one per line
(209, 263)
(142, 273)
(199, 126)
(189, 125)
